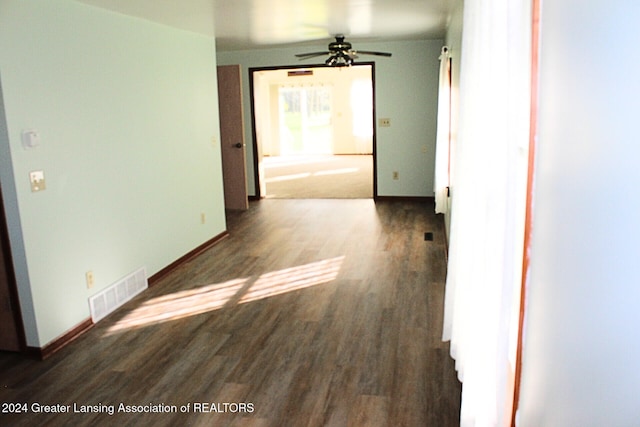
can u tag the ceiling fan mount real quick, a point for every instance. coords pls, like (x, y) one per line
(340, 53)
(339, 44)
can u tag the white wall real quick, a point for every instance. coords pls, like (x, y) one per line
(582, 342)
(406, 92)
(127, 111)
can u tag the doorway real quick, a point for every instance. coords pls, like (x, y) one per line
(12, 336)
(314, 134)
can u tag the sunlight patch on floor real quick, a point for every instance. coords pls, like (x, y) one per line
(289, 177)
(178, 305)
(286, 161)
(308, 174)
(336, 171)
(293, 279)
(209, 298)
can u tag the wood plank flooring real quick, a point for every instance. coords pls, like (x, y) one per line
(311, 313)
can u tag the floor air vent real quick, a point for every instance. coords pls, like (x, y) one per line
(107, 300)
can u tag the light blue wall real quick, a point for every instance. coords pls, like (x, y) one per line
(406, 92)
(128, 117)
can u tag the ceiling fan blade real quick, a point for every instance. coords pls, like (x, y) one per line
(368, 52)
(311, 54)
(340, 53)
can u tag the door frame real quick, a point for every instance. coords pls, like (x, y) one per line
(13, 295)
(513, 401)
(254, 137)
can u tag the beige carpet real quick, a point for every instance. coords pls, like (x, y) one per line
(319, 177)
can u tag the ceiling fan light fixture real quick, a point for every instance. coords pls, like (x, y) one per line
(340, 53)
(339, 61)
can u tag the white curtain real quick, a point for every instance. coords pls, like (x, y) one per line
(488, 189)
(441, 175)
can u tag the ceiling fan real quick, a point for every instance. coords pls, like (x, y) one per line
(340, 53)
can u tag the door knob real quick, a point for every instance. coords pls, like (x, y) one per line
(238, 145)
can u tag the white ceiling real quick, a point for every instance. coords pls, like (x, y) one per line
(251, 24)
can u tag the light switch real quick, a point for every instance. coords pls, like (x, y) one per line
(37, 181)
(30, 139)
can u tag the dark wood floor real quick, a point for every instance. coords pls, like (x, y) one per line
(312, 313)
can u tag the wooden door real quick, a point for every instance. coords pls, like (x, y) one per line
(232, 137)
(11, 333)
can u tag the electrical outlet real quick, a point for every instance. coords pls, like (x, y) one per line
(90, 279)
(36, 178)
(384, 123)
(395, 175)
